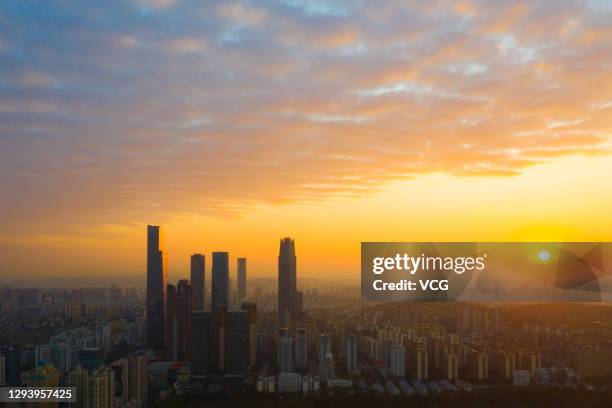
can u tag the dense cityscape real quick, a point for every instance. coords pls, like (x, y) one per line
(288, 339)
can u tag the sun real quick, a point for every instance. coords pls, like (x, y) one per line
(544, 256)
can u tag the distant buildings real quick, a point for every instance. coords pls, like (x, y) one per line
(398, 360)
(157, 279)
(327, 368)
(324, 346)
(242, 278)
(417, 361)
(591, 362)
(91, 358)
(478, 365)
(289, 382)
(198, 279)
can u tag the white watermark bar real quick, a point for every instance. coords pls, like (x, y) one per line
(37, 394)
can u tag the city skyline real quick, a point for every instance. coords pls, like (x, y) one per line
(470, 121)
(305, 203)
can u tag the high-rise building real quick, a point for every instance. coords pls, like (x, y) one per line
(477, 365)
(94, 389)
(237, 343)
(219, 303)
(251, 310)
(220, 280)
(201, 343)
(157, 279)
(324, 346)
(287, 284)
(301, 348)
(134, 378)
(503, 363)
(351, 353)
(198, 277)
(529, 360)
(417, 361)
(285, 353)
(398, 360)
(178, 323)
(327, 368)
(450, 366)
(12, 358)
(241, 278)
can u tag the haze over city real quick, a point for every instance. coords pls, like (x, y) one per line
(236, 124)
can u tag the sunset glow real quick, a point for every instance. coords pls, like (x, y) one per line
(239, 124)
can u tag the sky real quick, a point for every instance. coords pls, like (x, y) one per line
(234, 124)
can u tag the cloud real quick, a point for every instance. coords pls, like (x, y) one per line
(216, 107)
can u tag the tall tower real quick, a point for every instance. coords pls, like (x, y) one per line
(198, 276)
(220, 280)
(178, 324)
(287, 292)
(157, 279)
(219, 303)
(242, 285)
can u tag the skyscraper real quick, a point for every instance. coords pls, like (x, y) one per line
(326, 368)
(198, 276)
(241, 272)
(287, 289)
(178, 324)
(93, 388)
(220, 280)
(251, 310)
(157, 279)
(351, 353)
(201, 342)
(134, 378)
(285, 351)
(12, 364)
(219, 302)
(237, 343)
(218, 337)
(301, 348)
